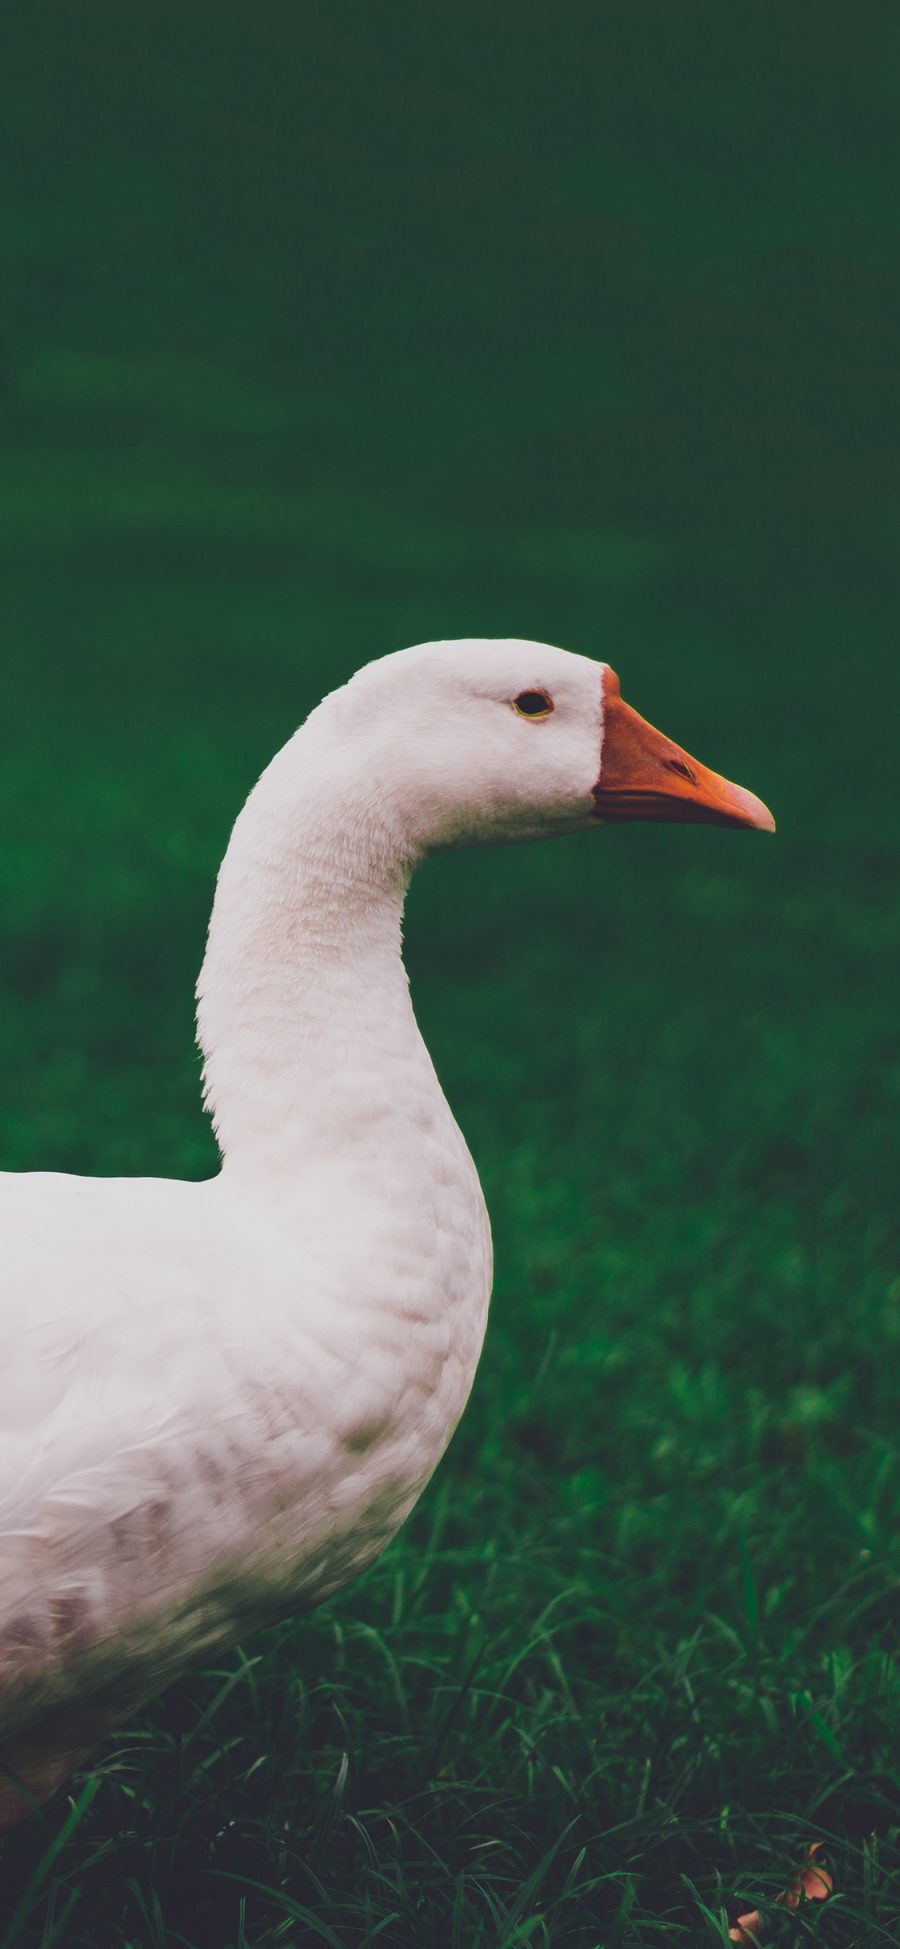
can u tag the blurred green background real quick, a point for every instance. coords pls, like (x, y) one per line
(330, 328)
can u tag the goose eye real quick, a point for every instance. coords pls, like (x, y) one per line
(533, 703)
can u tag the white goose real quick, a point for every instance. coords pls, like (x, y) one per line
(219, 1401)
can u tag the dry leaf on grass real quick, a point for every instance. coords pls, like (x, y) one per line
(813, 1883)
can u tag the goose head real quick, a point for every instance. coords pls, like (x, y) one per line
(496, 740)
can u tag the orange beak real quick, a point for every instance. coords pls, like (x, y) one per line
(644, 776)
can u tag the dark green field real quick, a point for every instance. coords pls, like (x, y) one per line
(330, 328)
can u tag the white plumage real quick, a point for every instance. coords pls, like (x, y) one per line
(218, 1401)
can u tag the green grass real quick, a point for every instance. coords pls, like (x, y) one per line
(329, 332)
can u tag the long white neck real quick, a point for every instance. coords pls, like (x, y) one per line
(304, 1017)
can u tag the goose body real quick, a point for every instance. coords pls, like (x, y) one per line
(219, 1401)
